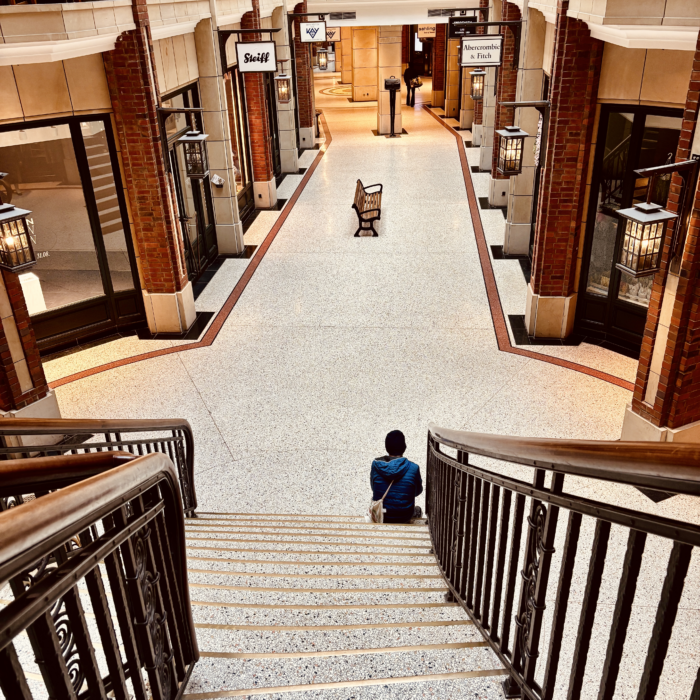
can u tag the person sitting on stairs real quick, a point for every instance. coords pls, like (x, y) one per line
(403, 475)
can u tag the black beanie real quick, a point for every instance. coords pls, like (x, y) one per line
(395, 443)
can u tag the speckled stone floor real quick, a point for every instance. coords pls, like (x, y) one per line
(335, 341)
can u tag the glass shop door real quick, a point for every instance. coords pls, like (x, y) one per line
(612, 303)
(272, 123)
(195, 213)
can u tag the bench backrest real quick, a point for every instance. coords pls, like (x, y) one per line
(360, 196)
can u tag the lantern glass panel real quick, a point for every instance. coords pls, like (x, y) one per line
(510, 157)
(284, 92)
(196, 158)
(477, 92)
(16, 251)
(322, 59)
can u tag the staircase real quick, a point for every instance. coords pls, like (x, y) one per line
(299, 604)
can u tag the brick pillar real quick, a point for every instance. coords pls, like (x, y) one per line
(479, 104)
(22, 380)
(439, 57)
(504, 116)
(551, 300)
(131, 77)
(305, 85)
(405, 44)
(666, 401)
(264, 185)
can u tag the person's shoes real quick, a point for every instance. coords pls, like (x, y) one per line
(417, 512)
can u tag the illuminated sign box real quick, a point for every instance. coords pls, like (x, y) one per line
(312, 32)
(256, 57)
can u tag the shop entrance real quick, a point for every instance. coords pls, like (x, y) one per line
(613, 304)
(272, 123)
(240, 142)
(195, 209)
(85, 284)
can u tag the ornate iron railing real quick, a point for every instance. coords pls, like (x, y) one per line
(27, 437)
(503, 568)
(97, 573)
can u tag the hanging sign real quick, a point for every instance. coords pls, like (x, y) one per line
(461, 26)
(485, 50)
(256, 57)
(333, 34)
(426, 31)
(312, 32)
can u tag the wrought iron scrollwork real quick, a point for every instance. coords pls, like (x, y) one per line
(68, 644)
(154, 621)
(536, 548)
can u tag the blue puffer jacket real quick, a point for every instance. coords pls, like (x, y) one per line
(407, 485)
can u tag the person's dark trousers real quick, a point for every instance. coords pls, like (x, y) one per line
(413, 97)
(408, 95)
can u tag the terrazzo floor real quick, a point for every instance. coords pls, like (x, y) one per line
(337, 340)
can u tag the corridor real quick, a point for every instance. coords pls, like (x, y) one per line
(337, 340)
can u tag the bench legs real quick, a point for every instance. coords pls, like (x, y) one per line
(366, 228)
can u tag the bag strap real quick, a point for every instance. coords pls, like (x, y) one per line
(387, 491)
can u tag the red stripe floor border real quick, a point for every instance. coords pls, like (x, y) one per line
(497, 315)
(225, 311)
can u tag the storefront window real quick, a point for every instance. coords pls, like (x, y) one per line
(105, 190)
(237, 123)
(45, 178)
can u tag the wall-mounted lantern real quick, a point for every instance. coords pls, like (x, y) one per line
(196, 161)
(16, 251)
(322, 59)
(477, 91)
(645, 230)
(284, 88)
(646, 223)
(510, 150)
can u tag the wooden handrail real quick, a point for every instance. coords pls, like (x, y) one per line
(36, 530)
(51, 426)
(49, 473)
(672, 467)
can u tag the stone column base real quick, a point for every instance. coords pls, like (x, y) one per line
(466, 118)
(498, 192)
(477, 130)
(170, 313)
(437, 98)
(229, 238)
(307, 137)
(265, 194)
(549, 317)
(637, 428)
(517, 239)
(43, 408)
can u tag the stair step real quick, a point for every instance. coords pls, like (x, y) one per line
(364, 528)
(329, 596)
(319, 617)
(322, 560)
(326, 550)
(215, 675)
(323, 606)
(337, 520)
(340, 652)
(218, 576)
(328, 627)
(296, 641)
(361, 537)
(320, 540)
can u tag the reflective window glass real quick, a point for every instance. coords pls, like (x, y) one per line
(109, 212)
(44, 178)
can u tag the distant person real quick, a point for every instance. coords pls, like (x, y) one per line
(403, 476)
(409, 76)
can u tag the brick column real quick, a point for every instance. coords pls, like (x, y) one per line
(666, 401)
(439, 55)
(23, 388)
(551, 299)
(131, 77)
(504, 116)
(264, 185)
(529, 88)
(305, 85)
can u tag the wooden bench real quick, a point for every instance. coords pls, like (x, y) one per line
(368, 206)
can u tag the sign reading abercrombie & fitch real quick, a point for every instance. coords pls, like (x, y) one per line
(256, 57)
(312, 32)
(482, 51)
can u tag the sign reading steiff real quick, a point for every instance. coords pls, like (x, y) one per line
(332, 33)
(312, 31)
(482, 51)
(256, 57)
(426, 31)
